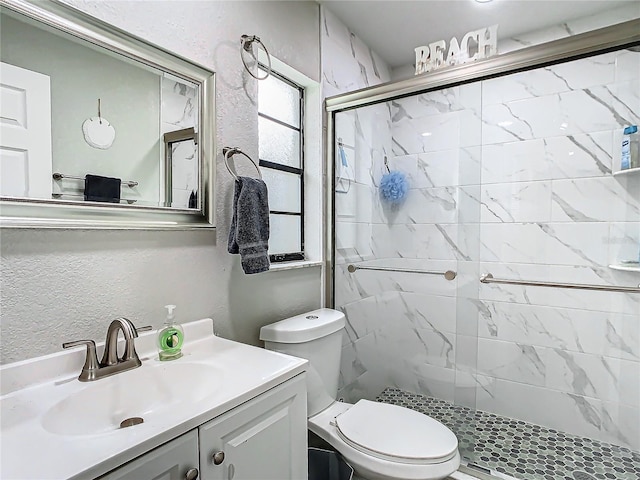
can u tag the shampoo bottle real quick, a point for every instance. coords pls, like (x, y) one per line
(170, 337)
(629, 158)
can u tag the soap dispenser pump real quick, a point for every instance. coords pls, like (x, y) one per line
(170, 337)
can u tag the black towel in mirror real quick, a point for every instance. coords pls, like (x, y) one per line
(101, 189)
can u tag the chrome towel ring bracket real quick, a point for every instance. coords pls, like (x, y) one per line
(229, 152)
(247, 42)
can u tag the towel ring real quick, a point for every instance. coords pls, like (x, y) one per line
(247, 46)
(229, 152)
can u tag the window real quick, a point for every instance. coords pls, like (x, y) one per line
(281, 147)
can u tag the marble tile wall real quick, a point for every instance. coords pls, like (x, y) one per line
(512, 176)
(347, 62)
(573, 26)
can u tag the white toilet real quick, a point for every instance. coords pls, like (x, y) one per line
(380, 441)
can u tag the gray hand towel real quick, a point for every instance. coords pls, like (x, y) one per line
(249, 234)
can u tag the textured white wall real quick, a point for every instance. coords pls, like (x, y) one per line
(67, 285)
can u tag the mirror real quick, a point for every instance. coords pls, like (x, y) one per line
(99, 128)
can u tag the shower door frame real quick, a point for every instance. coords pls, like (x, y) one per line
(615, 37)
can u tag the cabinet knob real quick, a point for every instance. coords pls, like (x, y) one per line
(218, 458)
(192, 474)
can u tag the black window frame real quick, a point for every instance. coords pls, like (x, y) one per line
(291, 256)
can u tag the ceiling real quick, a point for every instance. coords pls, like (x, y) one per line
(394, 28)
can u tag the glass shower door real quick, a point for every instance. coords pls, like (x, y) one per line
(522, 177)
(411, 330)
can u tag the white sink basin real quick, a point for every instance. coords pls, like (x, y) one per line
(74, 426)
(147, 392)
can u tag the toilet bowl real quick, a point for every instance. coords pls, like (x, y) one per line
(380, 441)
(383, 442)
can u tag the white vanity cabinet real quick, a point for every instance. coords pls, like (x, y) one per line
(175, 460)
(263, 439)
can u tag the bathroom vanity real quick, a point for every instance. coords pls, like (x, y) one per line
(224, 410)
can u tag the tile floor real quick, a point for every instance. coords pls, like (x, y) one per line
(461, 476)
(520, 449)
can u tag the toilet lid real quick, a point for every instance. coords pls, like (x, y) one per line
(396, 433)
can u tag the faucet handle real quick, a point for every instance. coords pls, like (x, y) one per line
(91, 364)
(146, 328)
(79, 343)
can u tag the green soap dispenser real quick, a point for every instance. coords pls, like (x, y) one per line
(170, 337)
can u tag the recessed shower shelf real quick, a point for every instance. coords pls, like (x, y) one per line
(626, 267)
(628, 171)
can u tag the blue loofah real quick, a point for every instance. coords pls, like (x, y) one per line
(394, 186)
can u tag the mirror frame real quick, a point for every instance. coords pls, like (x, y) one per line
(52, 213)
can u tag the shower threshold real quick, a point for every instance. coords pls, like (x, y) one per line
(511, 448)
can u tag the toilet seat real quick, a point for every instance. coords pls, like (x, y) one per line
(396, 434)
(371, 465)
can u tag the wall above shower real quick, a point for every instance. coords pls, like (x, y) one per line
(393, 29)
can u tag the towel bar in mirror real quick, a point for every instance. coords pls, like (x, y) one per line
(154, 132)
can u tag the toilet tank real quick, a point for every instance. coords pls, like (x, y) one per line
(317, 337)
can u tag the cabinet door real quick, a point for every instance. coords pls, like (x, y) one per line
(263, 439)
(175, 460)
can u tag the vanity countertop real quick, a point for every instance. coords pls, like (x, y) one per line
(54, 426)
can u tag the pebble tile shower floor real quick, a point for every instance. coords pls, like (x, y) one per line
(520, 449)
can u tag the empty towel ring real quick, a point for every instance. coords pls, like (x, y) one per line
(229, 152)
(247, 46)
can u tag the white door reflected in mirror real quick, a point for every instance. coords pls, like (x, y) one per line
(25, 133)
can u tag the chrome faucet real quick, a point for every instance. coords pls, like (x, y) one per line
(110, 364)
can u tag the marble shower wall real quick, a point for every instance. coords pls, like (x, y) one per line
(347, 62)
(511, 176)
